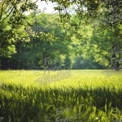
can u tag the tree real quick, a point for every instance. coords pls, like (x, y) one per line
(93, 30)
(103, 18)
(12, 22)
(12, 19)
(47, 40)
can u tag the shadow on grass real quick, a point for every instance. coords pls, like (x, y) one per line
(19, 104)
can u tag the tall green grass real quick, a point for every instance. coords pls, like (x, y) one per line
(83, 96)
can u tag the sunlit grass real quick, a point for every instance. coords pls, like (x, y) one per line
(52, 96)
(64, 78)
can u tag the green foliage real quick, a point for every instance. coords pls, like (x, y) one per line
(12, 22)
(81, 63)
(47, 39)
(94, 27)
(89, 29)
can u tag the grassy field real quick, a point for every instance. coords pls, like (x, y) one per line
(61, 96)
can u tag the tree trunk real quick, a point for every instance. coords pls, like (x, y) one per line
(115, 57)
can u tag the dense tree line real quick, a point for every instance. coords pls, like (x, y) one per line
(48, 46)
(85, 34)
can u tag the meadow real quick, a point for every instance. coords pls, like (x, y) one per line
(60, 96)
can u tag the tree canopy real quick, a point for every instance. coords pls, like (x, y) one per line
(87, 29)
(97, 26)
(12, 21)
